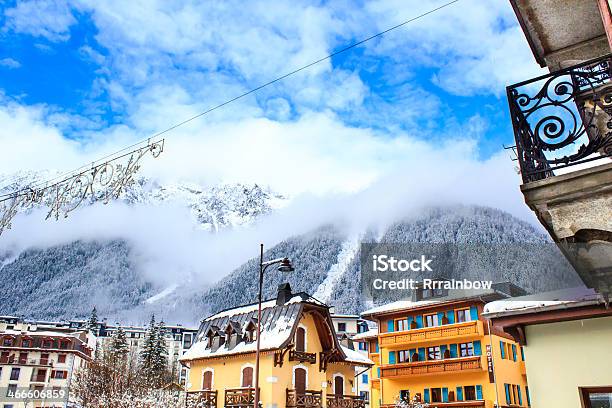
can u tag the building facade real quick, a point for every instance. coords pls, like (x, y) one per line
(348, 327)
(38, 363)
(567, 338)
(303, 364)
(438, 349)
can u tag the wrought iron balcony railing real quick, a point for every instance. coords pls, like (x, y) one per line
(305, 399)
(563, 118)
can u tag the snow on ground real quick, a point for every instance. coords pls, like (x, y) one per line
(162, 294)
(335, 273)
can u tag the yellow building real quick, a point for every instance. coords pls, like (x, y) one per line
(302, 363)
(438, 349)
(567, 336)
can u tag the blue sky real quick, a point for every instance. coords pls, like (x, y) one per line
(92, 76)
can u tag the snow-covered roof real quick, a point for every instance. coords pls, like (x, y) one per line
(559, 299)
(453, 296)
(356, 357)
(277, 325)
(370, 334)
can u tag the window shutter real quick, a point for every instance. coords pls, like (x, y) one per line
(503, 349)
(479, 392)
(391, 325)
(459, 393)
(411, 352)
(376, 346)
(421, 354)
(507, 388)
(443, 349)
(453, 350)
(440, 317)
(450, 315)
(514, 352)
(518, 387)
(426, 395)
(477, 348)
(444, 394)
(474, 313)
(378, 372)
(409, 320)
(392, 357)
(419, 321)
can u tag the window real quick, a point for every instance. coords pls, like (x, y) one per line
(7, 342)
(469, 392)
(26, 343)
(300, 339)
(463, 315)
(363, 346)
(364, 378)
(364, 395)
(23, 358)
(405, 395)
(61, 358)
(341, 327)
(433, 353)
(59, 374)
(15, 373)
(466, 349)
(402, 324)
(403, 356)
(247, 377)
(207, 380)
(11, 390)
(436, 395)
(44, 358)
(431, 320)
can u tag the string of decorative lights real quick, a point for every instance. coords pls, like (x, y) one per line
(105, 178)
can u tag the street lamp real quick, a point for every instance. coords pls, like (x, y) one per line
(284, 266)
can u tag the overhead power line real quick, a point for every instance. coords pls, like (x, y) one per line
(105, 178)
(242, 95)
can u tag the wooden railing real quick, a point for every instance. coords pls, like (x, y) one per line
(456, 404)
(473, 328)
(345, 401)
(25, 362)
(202, 399)
(431, 367)
(306, 399)
(239, 397)
(302, 356)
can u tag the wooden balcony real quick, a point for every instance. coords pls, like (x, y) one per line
(202, 399)
(450, 365)
(302, 356)
(306, 399)
(240, 398)
(455, 404)
(450, 331)
(345, 401)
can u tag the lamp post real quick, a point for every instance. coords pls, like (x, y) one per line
(284, 266)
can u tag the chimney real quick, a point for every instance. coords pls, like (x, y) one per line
(284, 294)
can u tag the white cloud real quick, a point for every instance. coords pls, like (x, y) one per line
(10, 63)
(50, 19)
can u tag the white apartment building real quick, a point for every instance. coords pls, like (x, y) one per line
(38, 362)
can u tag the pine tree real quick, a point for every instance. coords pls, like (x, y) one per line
(147, 354)
(92, 323)
(119, 345)
(160, 359)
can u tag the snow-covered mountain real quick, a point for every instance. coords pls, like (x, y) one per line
(213, 207)
(66, 280)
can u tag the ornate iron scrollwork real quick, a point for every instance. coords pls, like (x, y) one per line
(563, 118)
(102, 182)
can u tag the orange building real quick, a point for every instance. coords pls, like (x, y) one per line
(438, 349)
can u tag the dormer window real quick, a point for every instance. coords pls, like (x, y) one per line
(250, 331)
